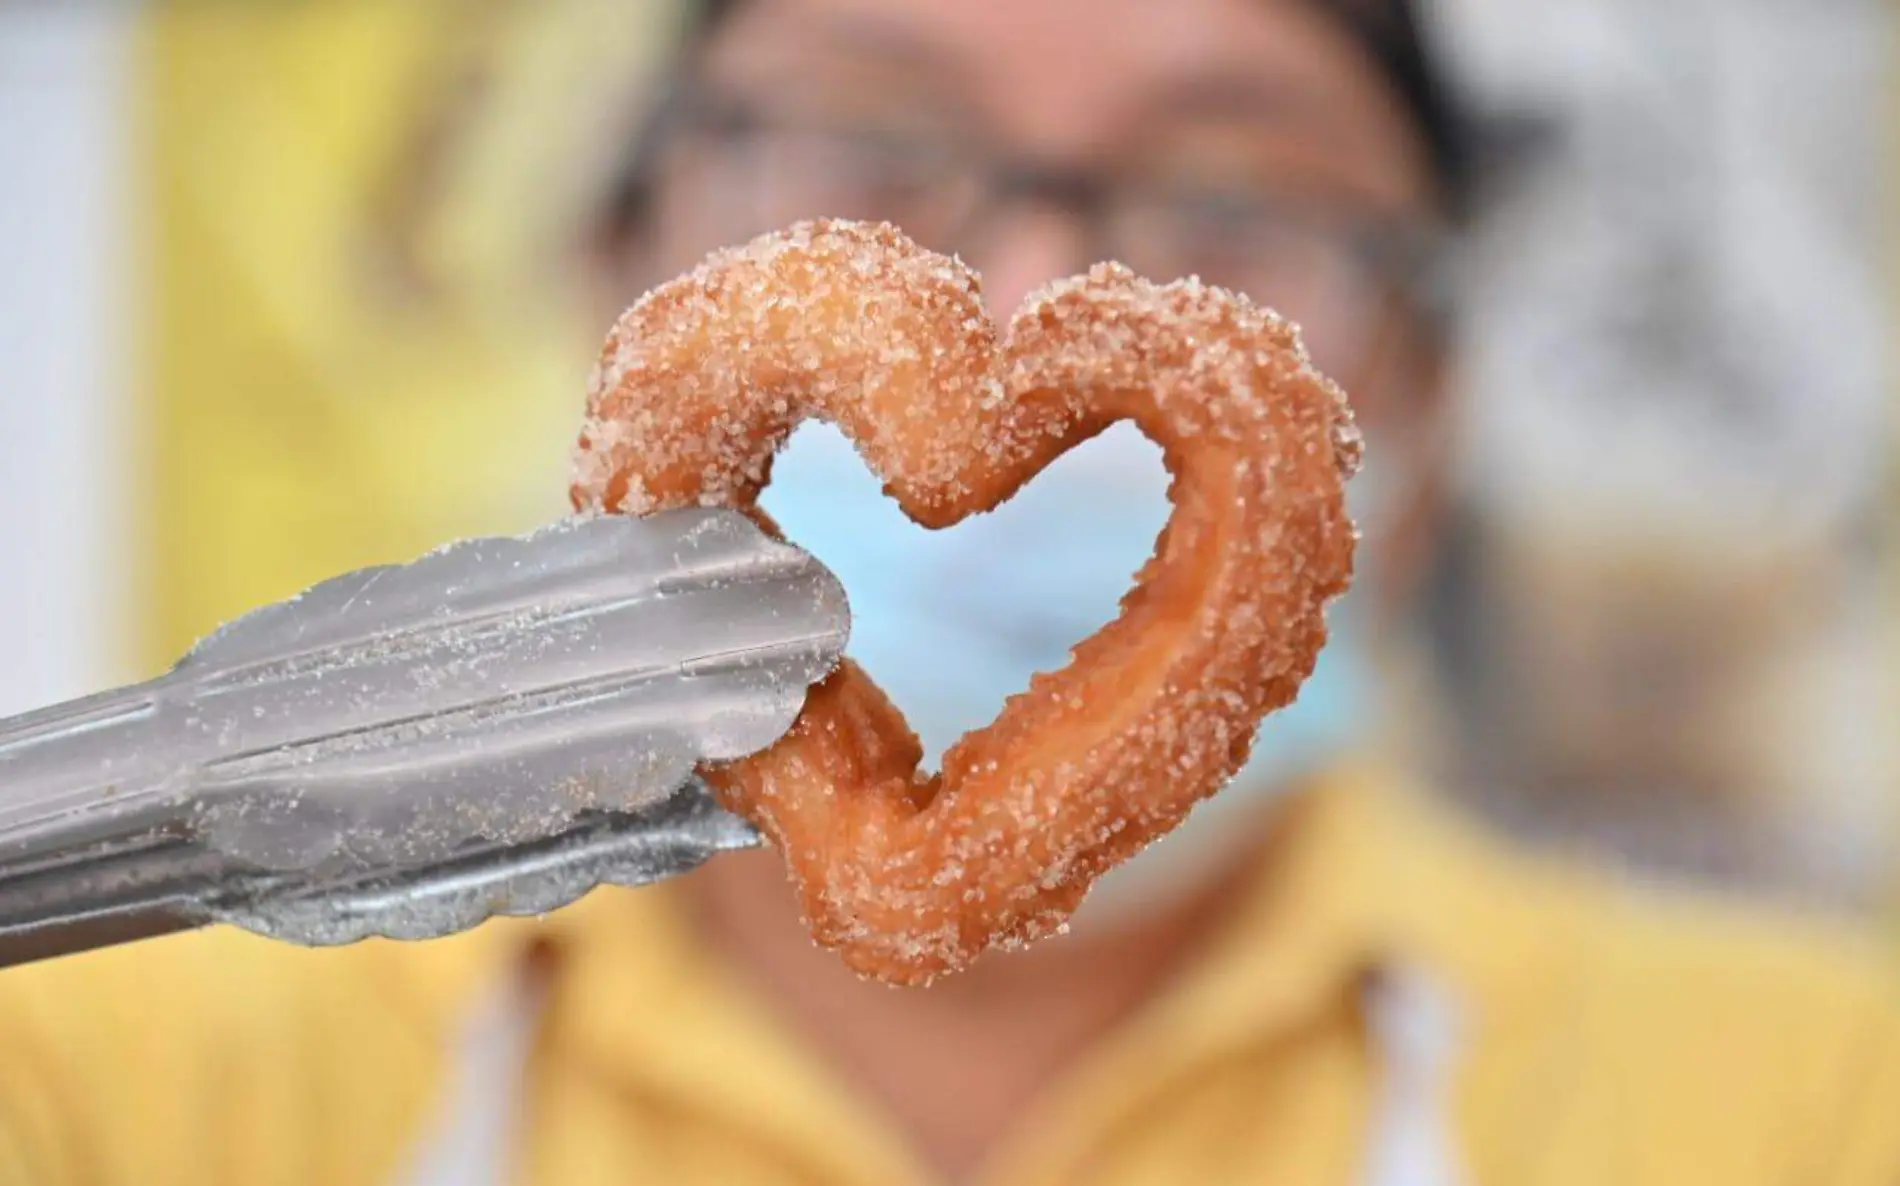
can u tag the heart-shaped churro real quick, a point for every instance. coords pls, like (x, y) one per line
(910, 875)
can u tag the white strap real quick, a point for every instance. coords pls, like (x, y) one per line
(472, 1139)
(1410, 1141)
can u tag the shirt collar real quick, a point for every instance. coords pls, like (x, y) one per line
(1366, 874)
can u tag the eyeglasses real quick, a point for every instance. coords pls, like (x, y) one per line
(1341, 275)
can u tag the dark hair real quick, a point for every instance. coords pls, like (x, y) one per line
(1388, 31)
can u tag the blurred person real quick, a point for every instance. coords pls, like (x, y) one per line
(1321, 978)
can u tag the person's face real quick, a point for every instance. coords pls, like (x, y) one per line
(1247, 141)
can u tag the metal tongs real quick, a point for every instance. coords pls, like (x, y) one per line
(493, 729)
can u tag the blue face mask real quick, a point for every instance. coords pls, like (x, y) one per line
(952, 623)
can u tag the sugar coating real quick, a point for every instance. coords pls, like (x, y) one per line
(910, 876)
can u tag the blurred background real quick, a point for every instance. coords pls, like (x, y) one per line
(291, 288)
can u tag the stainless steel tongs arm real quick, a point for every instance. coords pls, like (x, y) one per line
(494, 728)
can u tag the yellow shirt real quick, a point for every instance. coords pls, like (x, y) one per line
(1597, 1036)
